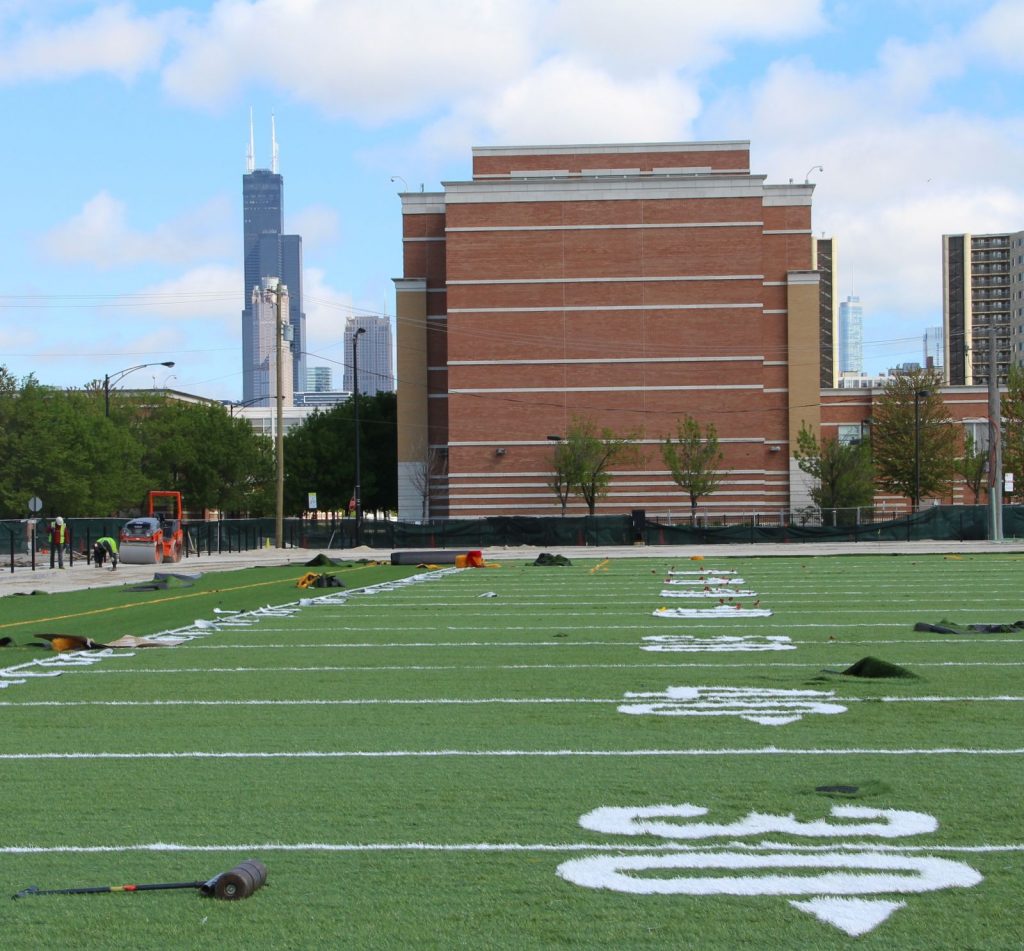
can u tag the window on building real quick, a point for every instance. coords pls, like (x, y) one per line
(977, 429)
(849, 433)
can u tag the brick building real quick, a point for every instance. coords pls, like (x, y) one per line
(628, 284)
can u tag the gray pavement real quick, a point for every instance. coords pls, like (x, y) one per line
(82, 575)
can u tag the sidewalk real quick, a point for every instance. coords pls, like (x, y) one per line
(83, 575)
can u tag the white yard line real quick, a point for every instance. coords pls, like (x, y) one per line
(508, 754)
(448, 701)
(499, 847)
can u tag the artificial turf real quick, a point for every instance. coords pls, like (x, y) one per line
(412, 765)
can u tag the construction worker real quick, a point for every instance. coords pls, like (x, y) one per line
(105, 547)
(59, 537)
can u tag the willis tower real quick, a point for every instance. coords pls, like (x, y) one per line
(268, 253)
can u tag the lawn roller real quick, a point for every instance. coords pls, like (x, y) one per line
(238, 882)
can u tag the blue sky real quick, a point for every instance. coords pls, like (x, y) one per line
(126, 127)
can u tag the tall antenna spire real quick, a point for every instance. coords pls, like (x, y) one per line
(250, 158)
(273, 145)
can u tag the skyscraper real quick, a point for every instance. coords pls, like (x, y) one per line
(982, 288)
(376, 374)
(934, 347)
(264, 377)
(851, 335)
(267, 252)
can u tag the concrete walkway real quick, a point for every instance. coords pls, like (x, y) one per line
(23, 580)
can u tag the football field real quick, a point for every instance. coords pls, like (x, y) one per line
(638, 753)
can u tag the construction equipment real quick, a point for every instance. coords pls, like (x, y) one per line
(157, 536)
(232, 885)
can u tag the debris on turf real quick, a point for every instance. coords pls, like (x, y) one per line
(949, 627)
(74, 642)
(313, 580)
(873, 667)
(545, 559)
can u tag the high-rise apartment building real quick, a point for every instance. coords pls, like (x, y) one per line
(982, 288)
(376, 365)
(825, 252)
(627, 285)
(268, 252)
(851, 336)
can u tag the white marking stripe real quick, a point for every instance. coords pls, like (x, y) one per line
(428, 754)
(495, 847)
(443, 701)
(320, 669)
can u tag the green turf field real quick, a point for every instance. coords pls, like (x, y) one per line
(528, 757)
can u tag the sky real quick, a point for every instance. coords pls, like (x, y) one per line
(126, 128)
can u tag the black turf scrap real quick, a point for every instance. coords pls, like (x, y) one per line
(873, 667)
(948, 627)
(546, 558)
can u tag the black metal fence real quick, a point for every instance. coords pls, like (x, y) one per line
(203, 538)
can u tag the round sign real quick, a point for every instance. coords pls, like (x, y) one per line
(35, 504)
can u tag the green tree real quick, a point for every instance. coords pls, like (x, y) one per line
(843, 473)
(58, 445)
(694, 460)
(564, 473)
(894, 434)
(319, 456)
(1012, 411)
(591, 454)
(973, 466)
(214, 460)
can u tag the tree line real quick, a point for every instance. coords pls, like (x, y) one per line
(61, 446)
(912, 447)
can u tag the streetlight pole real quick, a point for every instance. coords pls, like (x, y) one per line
(918, 396)
(110, 379)
(359, 331)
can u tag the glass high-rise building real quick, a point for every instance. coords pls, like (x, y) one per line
(376, 365)
(268, 252)
(934, 347)
(851, 335)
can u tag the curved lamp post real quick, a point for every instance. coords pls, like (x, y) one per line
(110, 379)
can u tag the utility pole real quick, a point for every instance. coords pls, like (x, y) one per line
(274, 295)
(355, 404)
(995, 441)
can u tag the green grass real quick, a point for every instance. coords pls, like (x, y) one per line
(453, 838)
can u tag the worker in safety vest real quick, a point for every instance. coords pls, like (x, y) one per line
(59, 537)
(105, 547)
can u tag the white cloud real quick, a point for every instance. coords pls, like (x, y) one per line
(327, 309)
(899, 170)
(653, 35)
(211, 293)
(565, 101)
(100, 235)
(109, 39)
(353, 58)
(318, 225)
(999, 33)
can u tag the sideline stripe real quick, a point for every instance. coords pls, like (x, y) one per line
(847, 642)
(445, 701)
(143, 604)
(418, 644)
(502, 847)
(509, 754)
(87, 671)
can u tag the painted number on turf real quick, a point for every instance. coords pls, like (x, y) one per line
(833, 884)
